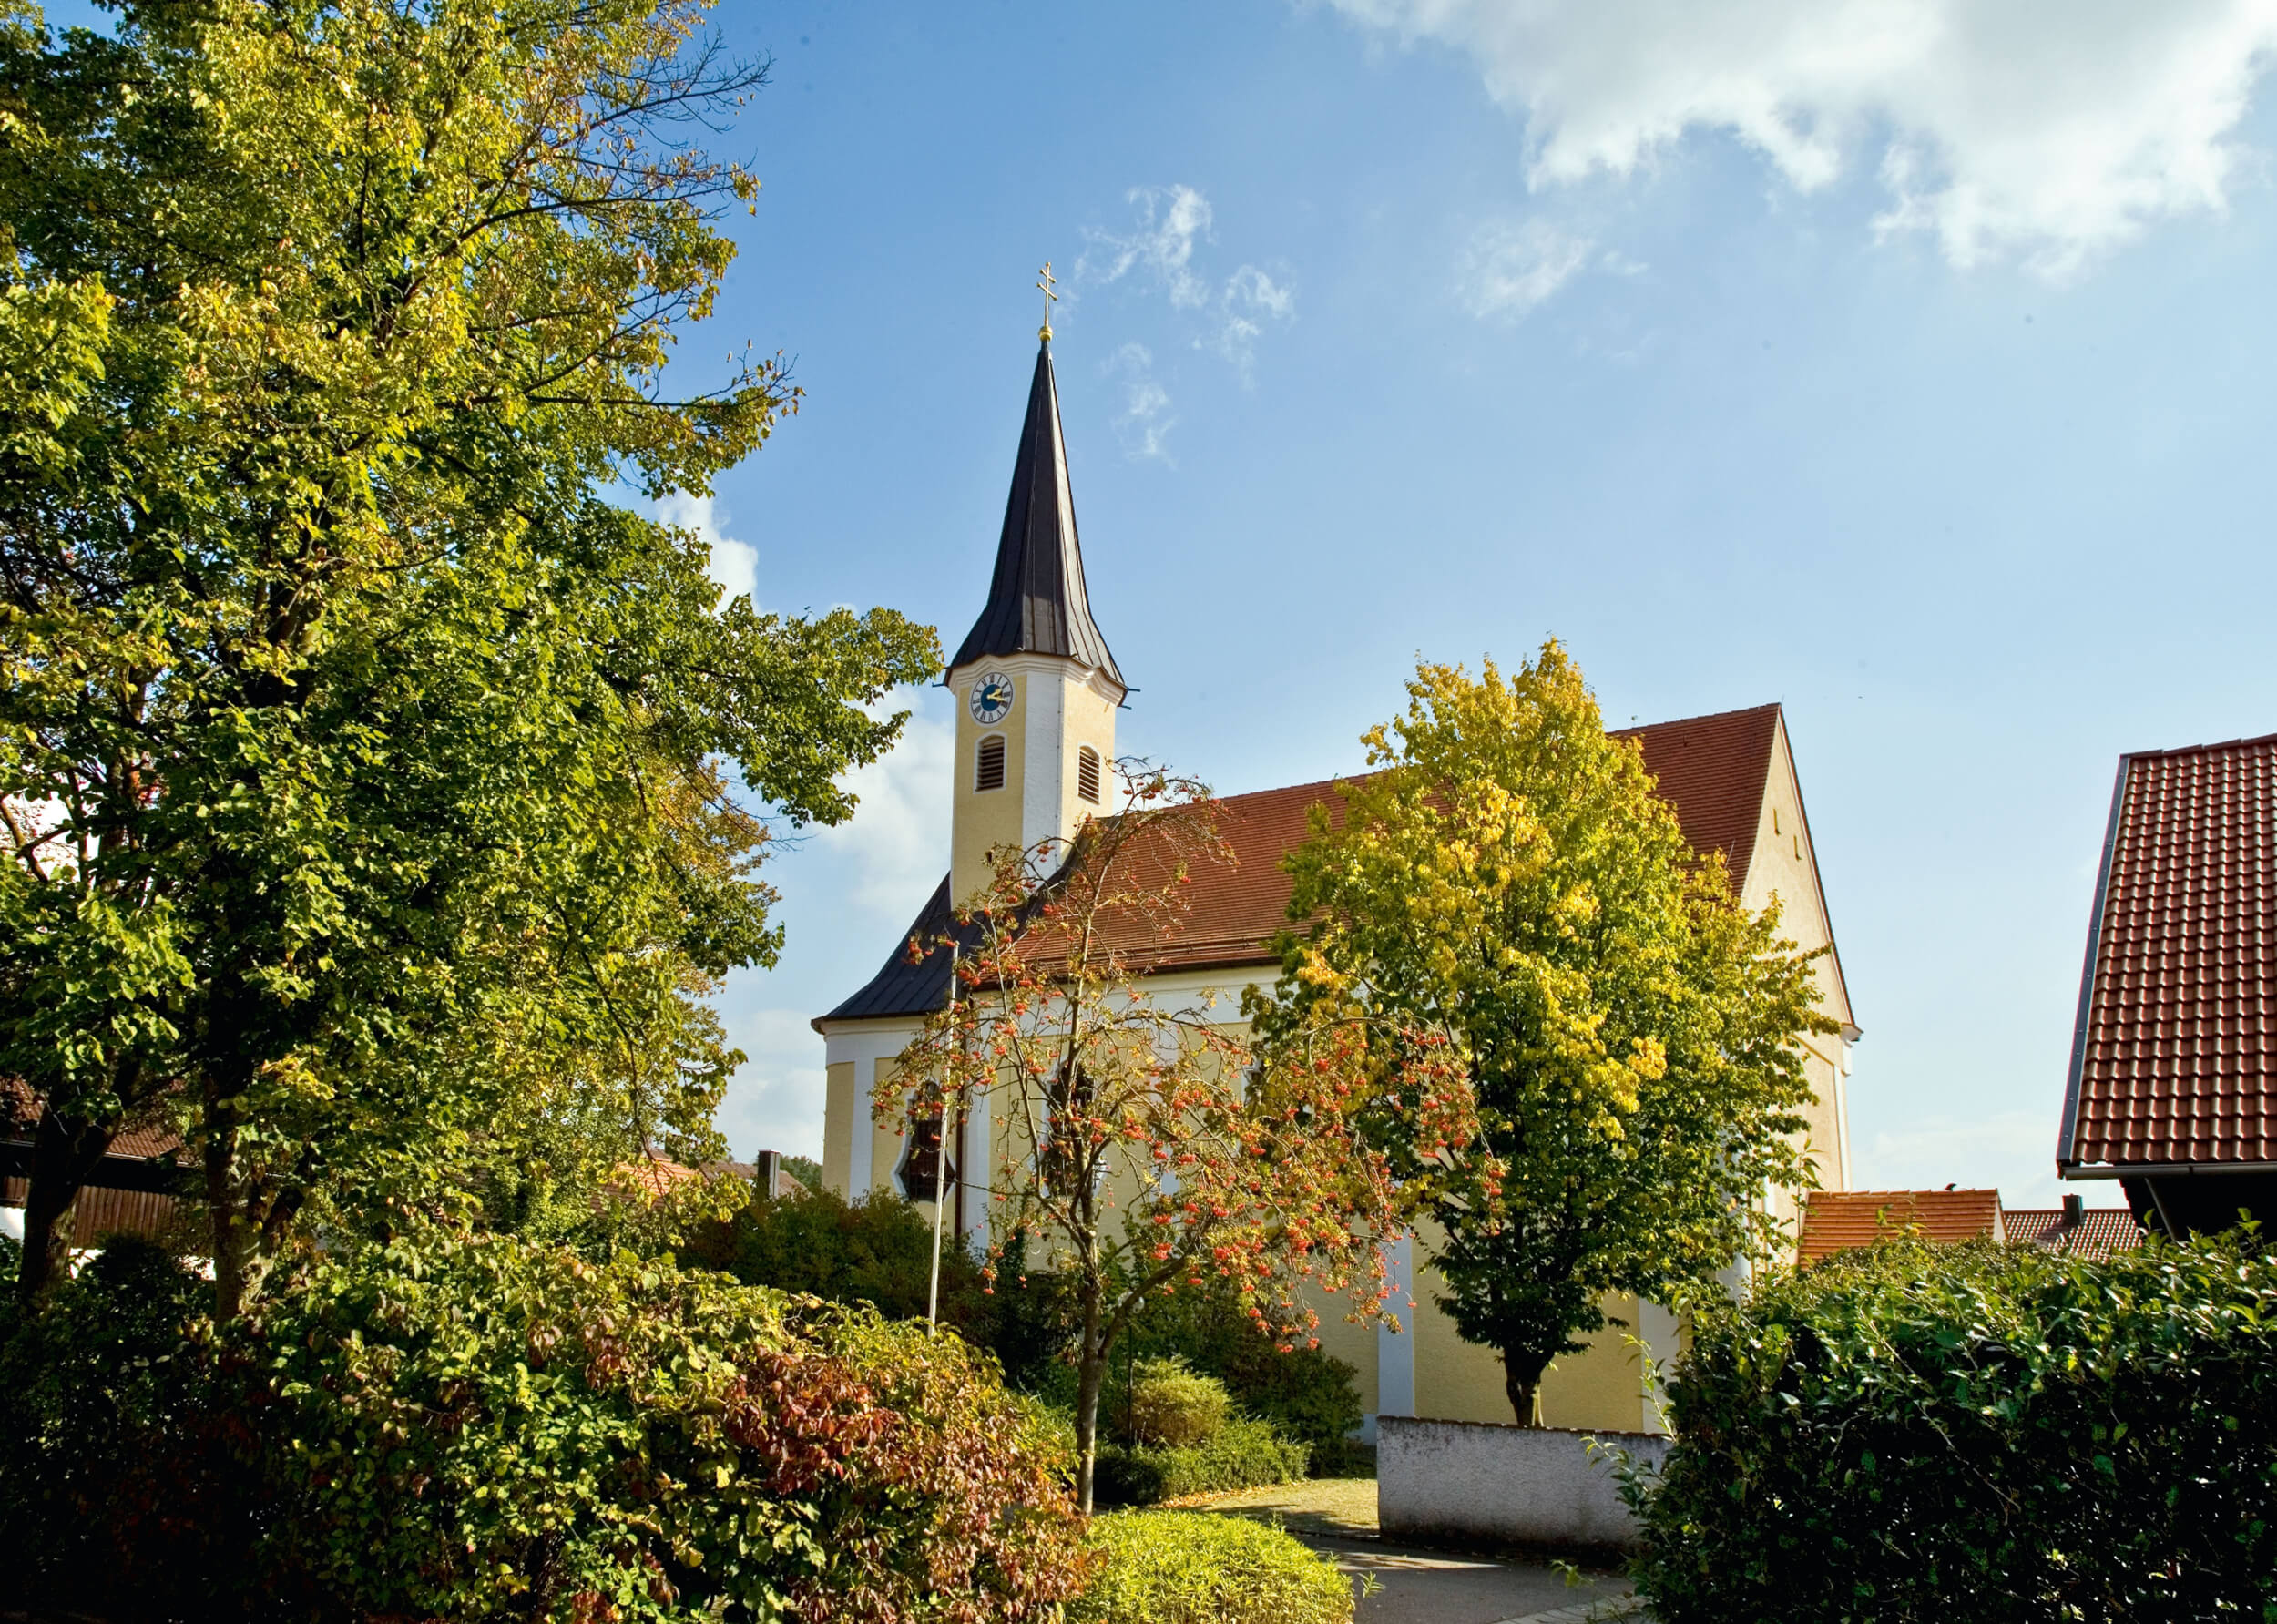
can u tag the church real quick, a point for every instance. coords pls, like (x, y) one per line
(1038, 692)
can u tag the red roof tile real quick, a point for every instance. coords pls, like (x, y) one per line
(1838, 1219)
(2174, 1058)
(150, 1135)
(1715, 768)
(2100, 1231)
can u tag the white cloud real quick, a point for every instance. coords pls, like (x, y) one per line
(1512, 267)
(2047, 131)
(1171, 220)
(1144, 424)
(733, 565)
(1251, 297)
(897, 842)
(775, 1102)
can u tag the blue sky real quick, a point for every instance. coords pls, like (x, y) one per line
(1901, 362)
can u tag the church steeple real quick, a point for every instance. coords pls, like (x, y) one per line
(1037, 685)
(1037, 603)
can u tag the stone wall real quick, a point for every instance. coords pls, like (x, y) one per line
(1470, 1484)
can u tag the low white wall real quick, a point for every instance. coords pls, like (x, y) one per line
(1466, 1482)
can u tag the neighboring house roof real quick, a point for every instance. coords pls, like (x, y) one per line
(2174, 1055)
(142, 1154)
(1836, 1221)
(1715, 768)
(2099, 1232)
(1037, 602)
(651, 1176)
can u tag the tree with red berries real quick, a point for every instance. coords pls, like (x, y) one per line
(1142, 1138)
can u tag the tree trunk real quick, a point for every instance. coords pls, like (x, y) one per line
(63, 1155)
(233, 1234)
(1090, 1376)
(1522, 1382)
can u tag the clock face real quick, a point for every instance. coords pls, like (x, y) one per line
(992, 699)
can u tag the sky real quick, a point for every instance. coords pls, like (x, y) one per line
(1907, 362)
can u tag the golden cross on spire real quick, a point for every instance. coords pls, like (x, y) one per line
(1045, 280)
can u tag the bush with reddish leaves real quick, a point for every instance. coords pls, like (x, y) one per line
(457, 1428)
(473, 1428)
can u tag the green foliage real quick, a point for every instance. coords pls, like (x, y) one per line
(399, 792)
(1307, 1394)
(805, 1170)
(473, 1422)
(1168, 1406)
(1585, 1051)
(103, 1404)
(1241, 1454)
(1976, 1432)
(461, 1428)
(1191, 1567)
(879, 1251)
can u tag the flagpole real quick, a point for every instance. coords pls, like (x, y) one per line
(941, 1154)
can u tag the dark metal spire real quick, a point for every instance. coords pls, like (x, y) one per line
(1037, 601)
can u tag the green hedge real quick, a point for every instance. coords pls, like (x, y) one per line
(1191, 1567)
(1245, 1454)
(471, 1429)
(1976, 1432)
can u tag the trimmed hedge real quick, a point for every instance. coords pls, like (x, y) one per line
(1979, 1431)
(1192, 1567)
(1244, 1453)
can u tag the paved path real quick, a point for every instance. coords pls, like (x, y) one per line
(1419, 1587)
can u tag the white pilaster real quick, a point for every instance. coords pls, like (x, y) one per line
(1043, 775)
(1396, 1352)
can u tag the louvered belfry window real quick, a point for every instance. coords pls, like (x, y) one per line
(1087, 774)
(988, 768)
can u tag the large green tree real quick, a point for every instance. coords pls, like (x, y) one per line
(1589, 1050)
(369, 766)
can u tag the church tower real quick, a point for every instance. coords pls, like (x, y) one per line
(1036, 687)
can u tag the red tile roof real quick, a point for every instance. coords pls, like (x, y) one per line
(2174, 1058)
(651, 1176)
(2100, 1231)
(149, 1136)
(1837, 1220)
(1715, 768)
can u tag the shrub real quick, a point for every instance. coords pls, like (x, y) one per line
(1244, 1453)
(1192, 1567)
(879, 1250)
(104, 1499)
(1172, 1407)
(1982, 1432)
(477, 1429)
(1307, 1394)
(477, 1426)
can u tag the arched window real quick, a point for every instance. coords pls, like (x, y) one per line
(988, 767)
(1087, 774)
(921, 1172)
